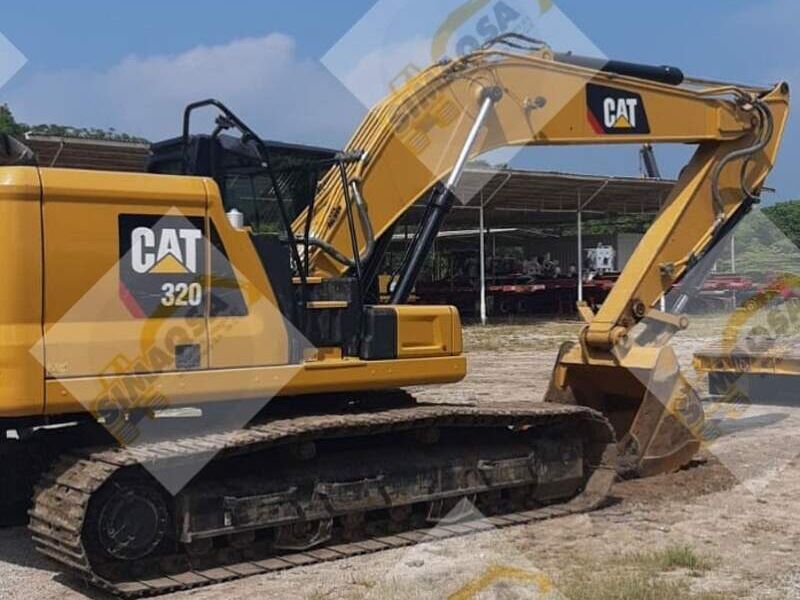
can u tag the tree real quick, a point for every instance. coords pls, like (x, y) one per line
(786, 216)
(9, 125)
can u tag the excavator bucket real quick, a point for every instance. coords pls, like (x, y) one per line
(657, 416)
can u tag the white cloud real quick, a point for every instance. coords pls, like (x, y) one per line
(373, 75)
(262, 79)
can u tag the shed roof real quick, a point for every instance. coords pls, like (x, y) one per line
(514, 197)
(79, 153)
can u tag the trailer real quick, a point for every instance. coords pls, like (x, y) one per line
(759, 369)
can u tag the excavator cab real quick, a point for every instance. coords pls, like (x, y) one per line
(234, 164)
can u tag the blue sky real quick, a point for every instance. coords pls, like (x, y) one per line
(133, 65)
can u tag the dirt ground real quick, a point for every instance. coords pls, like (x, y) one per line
(734, 511)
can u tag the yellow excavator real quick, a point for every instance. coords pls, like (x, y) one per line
(238, 279)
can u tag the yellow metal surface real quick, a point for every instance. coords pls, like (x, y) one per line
(88, 329)
(95, 350)
(427, 331)
(408, 142)
(688, 221)
(259, 384)
(261, 337)
(408, 139)
(322, 355)
(409, 148)
(67, 313)
(89, 338)
(637, 382)
(776, 361)
(21, 350)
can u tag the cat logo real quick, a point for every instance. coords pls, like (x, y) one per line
(166, 251)
(620, 112)
(615, 111)
(162, 265)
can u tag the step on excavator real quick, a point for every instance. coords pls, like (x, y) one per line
(237, 280)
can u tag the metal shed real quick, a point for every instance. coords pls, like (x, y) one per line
(515, 200)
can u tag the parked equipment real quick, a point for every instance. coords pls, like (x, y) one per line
(601, 260)
(339, 460)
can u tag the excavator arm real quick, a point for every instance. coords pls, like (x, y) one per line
(424, 133)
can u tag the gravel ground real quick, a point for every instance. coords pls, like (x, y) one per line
(735, 507)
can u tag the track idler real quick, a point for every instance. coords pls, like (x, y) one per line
(656, 414)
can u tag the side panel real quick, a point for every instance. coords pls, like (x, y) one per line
(246, 327)
(21, 350)
(122, 254)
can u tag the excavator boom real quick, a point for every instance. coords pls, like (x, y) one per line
(423, 133)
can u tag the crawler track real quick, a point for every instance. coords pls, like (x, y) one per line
(65, 495)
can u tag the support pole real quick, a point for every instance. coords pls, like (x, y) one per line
(734, 299)
(494, 253)
(580, 249)
(581, 207)
(482, 233)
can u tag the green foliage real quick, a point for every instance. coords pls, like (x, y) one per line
(611, 225)
(675, 557)
(9, 125)
(86, 133)
(786, 216)
(629, 586)
(767, 242)
(641, 576)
